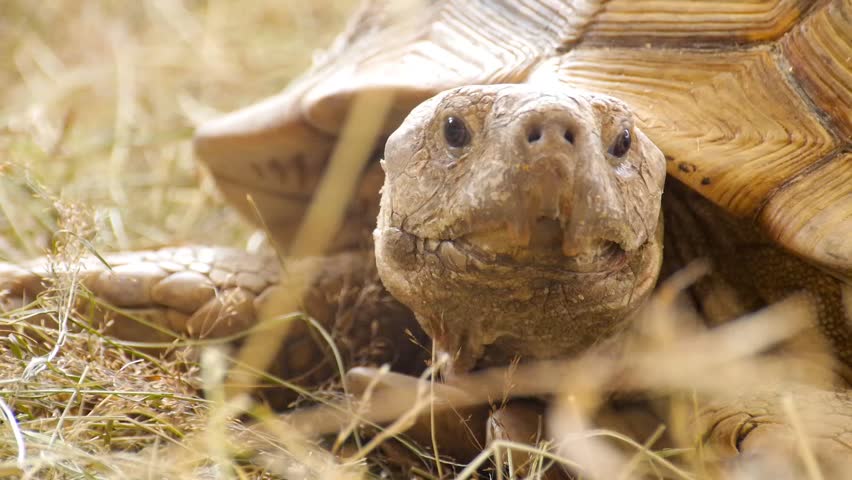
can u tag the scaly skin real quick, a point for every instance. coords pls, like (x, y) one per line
(458, 242)
(198, 292)
(760, 425)
(754, 430)
(195, 291)
(556, 237)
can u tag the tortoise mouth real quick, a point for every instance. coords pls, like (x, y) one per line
(605, 256)
(543, 243)
(542, 246)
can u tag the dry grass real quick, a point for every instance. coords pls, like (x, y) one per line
(99, 99)
(97, 106)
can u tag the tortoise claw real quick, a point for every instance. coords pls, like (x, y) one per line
(804, 432)
(521, 421)
(458, 431)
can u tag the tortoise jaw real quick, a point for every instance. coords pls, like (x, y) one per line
(483, 308)
(489, 253)
(543, 242)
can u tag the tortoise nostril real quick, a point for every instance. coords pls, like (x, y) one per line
(569, 136)
(534, 135)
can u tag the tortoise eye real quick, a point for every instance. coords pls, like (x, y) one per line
(455, 132)
(621, 144)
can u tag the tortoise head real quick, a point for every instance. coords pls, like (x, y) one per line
(517, 219)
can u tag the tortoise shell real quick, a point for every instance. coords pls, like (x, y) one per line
(751, 102)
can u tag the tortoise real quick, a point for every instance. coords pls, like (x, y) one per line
(545, 163)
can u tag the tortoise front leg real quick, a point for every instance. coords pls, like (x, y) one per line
(448, 421)
(157, 295)
(522, 421)
(800, 432)
(163, 296)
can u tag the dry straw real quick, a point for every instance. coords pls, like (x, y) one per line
(98, 100)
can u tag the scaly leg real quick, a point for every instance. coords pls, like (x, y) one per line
(801, 432)
(210, 292)
(808, 426)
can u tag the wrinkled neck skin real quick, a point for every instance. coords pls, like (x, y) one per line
(487, 312)
(535, 235)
